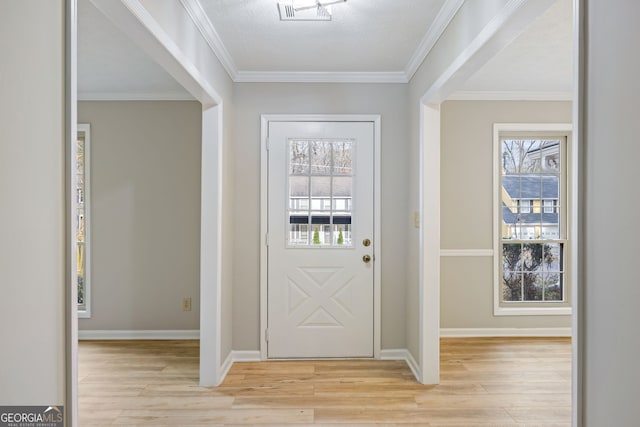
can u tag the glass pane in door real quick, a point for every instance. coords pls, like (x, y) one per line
(320, 189)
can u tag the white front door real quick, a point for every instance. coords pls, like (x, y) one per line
(320, 285)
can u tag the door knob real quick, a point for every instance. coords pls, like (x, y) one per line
(366, 258)
(366, 242)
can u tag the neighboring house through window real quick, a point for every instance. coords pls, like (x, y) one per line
(532, 216)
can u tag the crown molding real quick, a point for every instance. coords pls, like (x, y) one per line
(442, 20)
(439, 25)
(319, 77)
(132, 96)
(481, 95)
(203, 23)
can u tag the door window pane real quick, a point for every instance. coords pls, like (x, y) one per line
(343, 158)
(320, 193)
(320, 154)
(299, 158)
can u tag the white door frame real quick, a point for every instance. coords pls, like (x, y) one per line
(264, 173)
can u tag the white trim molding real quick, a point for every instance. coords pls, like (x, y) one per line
(577, 187)
(429, 250)
(488, 95)
(504, 332)
(203, 23)
(319, 77)
(437, 28)
(173, 334)
(237, 356)
(131, 96)
(466, 252)
(211, 189)
(246, 356)
(402, 354)
(199, 17)
(71, 278)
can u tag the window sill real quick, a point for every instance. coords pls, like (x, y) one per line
(532, 311)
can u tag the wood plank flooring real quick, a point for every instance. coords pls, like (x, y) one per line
(504, 382)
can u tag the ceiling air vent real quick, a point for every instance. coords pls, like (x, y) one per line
(306, 10)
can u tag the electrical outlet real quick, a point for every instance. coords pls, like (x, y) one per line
(186, 304)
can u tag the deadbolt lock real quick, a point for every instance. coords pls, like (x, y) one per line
(366, 242)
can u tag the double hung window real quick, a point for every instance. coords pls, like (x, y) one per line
(532, 222)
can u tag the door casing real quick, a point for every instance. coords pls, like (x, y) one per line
(264, 169)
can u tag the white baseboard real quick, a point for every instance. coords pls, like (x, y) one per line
(237, 356)
(504, 332)
(186, 334)
(246, 356)
(402, 354)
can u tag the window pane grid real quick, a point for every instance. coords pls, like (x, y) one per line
(80, 218)
(532, 221)
(533, 272)
(320, 193)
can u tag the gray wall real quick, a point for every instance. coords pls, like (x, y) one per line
(251, 100)
(466, 162)
(32, 213)
(610, 284)
(145, 214)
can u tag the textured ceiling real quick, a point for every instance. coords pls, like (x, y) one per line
(364, 36)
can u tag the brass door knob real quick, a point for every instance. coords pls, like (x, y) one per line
(366, 258)
(366, 242)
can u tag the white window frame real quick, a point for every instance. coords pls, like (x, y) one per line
(84, 130)
(525, 206)
(526, 309)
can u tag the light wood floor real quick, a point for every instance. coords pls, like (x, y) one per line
(484, 382)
